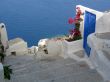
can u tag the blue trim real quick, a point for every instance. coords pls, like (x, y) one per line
(89, 27)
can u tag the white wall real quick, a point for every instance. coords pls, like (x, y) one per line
(62, 47)
(4, 37)
(54, 47)
(71, 47)
(83, 9)
(101, 63)
(97, 56)
(98, 13)
(103, 24)
(1, 73)
(20, 48)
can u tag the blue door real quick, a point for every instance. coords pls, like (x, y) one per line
(89, 27)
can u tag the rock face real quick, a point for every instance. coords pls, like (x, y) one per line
(50, 69)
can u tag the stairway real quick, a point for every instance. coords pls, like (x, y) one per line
(50, 69)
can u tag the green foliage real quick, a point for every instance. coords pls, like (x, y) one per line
(7, 72)
(2, 56)
(76, 33)
(77, 37)
(2, 48)
(77, 25)
(7, 69)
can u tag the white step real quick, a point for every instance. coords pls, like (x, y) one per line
(87, 76)
(80, 53)
(56, 71)
(43, 66)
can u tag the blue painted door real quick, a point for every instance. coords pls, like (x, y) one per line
(89, 27)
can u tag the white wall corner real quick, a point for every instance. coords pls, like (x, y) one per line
(83, 9)
(1, 73)
(97, 13)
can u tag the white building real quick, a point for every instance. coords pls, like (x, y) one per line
(98, 41)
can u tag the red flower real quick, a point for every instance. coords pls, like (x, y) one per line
(77, 17)
(71, 31)
(76, 33)
(76, 20)
(70, 21)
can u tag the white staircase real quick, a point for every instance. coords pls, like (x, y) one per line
(50, 69)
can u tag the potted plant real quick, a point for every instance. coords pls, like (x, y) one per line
(75, 33)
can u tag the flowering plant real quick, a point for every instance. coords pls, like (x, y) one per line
(75, 33)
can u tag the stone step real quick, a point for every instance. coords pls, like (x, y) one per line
(41, 66)
(106, 54)
(18, 60)
(56, 72)
(42, 62)
(84, 76)
(51, 69)
(87, 76)
(80, 53)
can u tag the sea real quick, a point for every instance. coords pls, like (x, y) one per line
(33, 20)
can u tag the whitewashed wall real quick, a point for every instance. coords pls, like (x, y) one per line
(103, 24)
(62, 47)
(4, 37)
(54, 47)
(71, 47)
(20, 48)
(101, 63)
(1, 73)
(98, 56)
(83, 9)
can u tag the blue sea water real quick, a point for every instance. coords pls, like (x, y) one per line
(33, 20)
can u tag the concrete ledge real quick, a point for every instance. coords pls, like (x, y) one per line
(71, 47)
